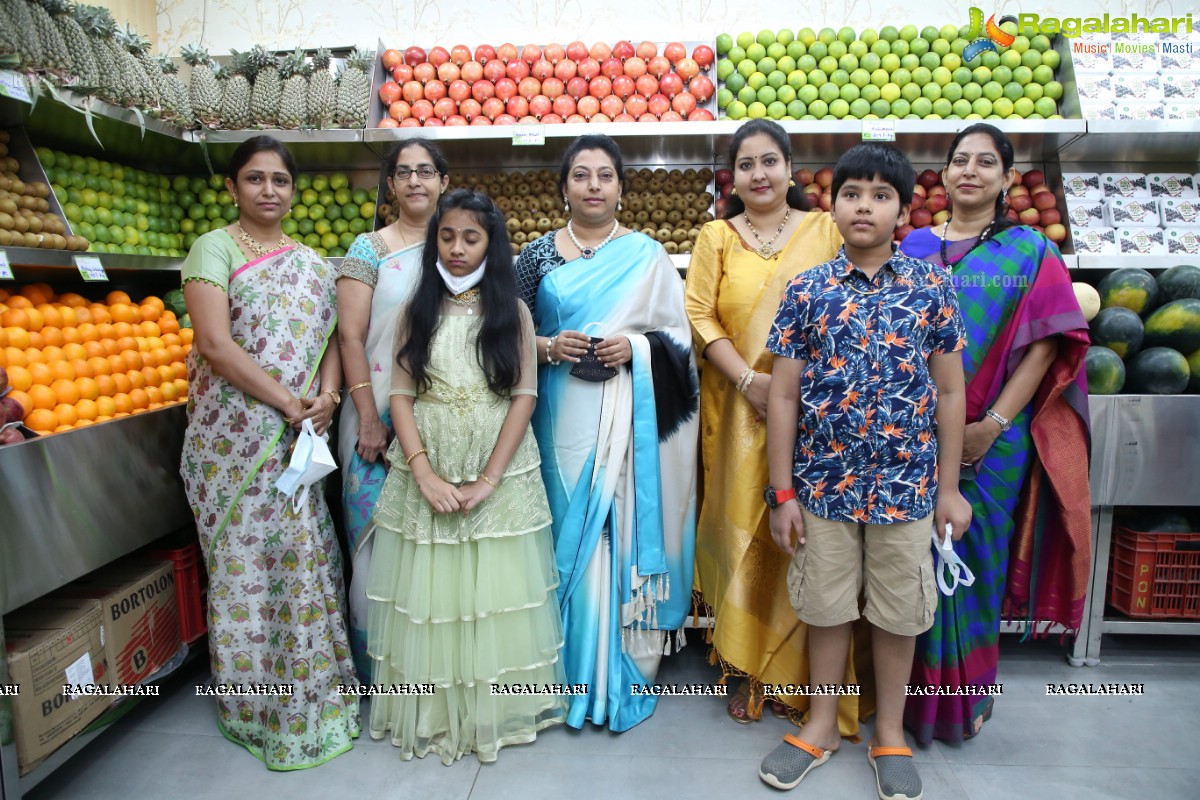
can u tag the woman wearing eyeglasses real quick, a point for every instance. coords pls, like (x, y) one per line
(375, 281)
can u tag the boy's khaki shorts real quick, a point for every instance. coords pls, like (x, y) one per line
(827, 573)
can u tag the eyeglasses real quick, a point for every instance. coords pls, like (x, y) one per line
(424, 173)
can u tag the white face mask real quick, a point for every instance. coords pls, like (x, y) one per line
(311, 461)
(457, 284)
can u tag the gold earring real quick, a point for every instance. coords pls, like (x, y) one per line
(791, 183)
(733, 192)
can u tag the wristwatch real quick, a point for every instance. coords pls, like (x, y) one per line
(1005, 424)
(774, 497)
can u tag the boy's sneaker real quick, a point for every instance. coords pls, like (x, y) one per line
(786, 765)
(896, 775)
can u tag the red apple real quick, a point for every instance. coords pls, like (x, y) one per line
(485, 53)
(1056, 233)
(1033, 178)
(612, 67)
(622, 50)
(941, 217)
(400, 110)
(460, 54)
(392, 59)
(902, 232)
(702, 87)
(935, 203)
(1029, 216)
(636, 105)
(725, 177)
(540, 105)
(623, 86)
(1038, 228)
(389, 92)
(564, 105)
(919, 189)
(704, 56)
(445, 107)
(448, 72)
(626, 117)
(577, 51)
(506, 52)
(1050, 217)
(565, 70)
(659, 104)
(554, 53)
(414, 55)
(675, 52)
(472, 71)
(700, 115)
(1016, 181)
(577, 87)
(529, 88)
(531, 53)
(1044, 200)
(492, 108)
(402, 74)
(611, 105)
(553, 87)
(425, 72)
(826, 202)
(721, 205)
(684, 103)
(481, 120)
(647, 50)
(458, 91)
(505, 119)
(928, 178)
(438, 56)
(920, 217)
(1041, 187)
(589, 68)
(494, 70)
(824, 177)
(516, 69)
(918, 201)
(574, 119)
(1012, 215)
(469, 108)
(588, 107)
(803, 177)
(422, 110)
(658, 66)
(482, 90)
(600, 52)
(517, 106)
(552, 119)
(936, 191)
(506, 88)
(646, 85)
(813, 188)
(600, 87)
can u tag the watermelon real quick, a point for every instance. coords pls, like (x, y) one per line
(173, 300)
(1088, 299)
(1118, 329)
(1179, 282)
(1105, 370)
(1130, 288)
(1194, 365)
(1175, 325)
(185, 321)
(1157, 370)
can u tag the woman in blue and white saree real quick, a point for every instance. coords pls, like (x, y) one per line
(618, 450)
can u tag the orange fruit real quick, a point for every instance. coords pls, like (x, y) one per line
(151, 300)
(150, 312)
(71, 335)
(73, 300)
(5, 294)
(40, 374)
(63, 371)
(170, 325)
(19, 301)
(154, 395)
(53, 336)
(74, 351)
(66, 391)
(93, 348)
(66, 414)
(105, 406)
(87, 332)
(20, 378)
(170, 393)
(17, 337)
(50, 316)
(166, 373)
(3, 338)
(15, 318)
(181, 386)
(133, 360)
(88, 389)
(180, 370)
(103, 418)
(36, 340)
(136, 379)
(122, 382)
(38, 292)
(99, 365)
(82, 314)
(14, 357)
(69, 320)
(127, 343)
(86, 410)
(34, 356)
(111, 348)
(104, 330)
(151, 375)
(116, 364)
(36, 320)
(83, 369)
(42, 420)
(100, 315)
(150, 328)
(175, 353)
(143, 344)
(155, 342)
(139, 399)
(24, 400)
(186, 334)
(159, 357)
(121, 312)
(43, 397)
(122, 403)
(106, 384)
(83, 423)
(51, 353)
(116, 296)
(122, 329)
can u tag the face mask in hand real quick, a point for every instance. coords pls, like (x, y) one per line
(948, 561)
(311, 461)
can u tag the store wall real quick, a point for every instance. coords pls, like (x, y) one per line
(282, 24)
(140, 14)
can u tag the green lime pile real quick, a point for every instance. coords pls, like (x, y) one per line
(118, 209)
(327, 213)
(892, 73)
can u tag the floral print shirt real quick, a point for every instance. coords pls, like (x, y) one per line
(867, 447)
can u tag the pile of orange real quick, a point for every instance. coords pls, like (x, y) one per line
(72, 362)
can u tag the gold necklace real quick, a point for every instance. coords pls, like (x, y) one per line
(765, 249)
(466, 299)
(255, 246)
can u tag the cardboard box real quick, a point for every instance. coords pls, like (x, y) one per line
(1125, 184)
(1124, 212)
(53, 642)
(1182, 241)
(1086, 213)
(1180, 213)
(1082, 186)
(140, 615)
(1172, 184)
(1094, 241)
(1141, 242)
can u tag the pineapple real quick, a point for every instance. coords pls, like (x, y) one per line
(9, 46)
(293, 102)
(149, 74)
(321, 91)
(83, 62)
(109, 83)
(175, 95)
(118, 64)
(55, 56)
(204, 91)
(20, 26)
(354, 89)
(235, 93)
(265, 96)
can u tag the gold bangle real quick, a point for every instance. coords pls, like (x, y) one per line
(334, 396)
(409, 460)
(357, 386)
(488, 481)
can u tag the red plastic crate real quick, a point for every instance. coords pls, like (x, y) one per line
(1155, 574)
(188, 592)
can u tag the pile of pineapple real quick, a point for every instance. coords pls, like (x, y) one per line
(82, 48)
(259, 90)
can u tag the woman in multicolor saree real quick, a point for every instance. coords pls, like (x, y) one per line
(1026, 443)
(263, 308)
(618, 457)
(738, 272)
(374, 283)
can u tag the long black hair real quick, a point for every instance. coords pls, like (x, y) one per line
(440, 162)
(1004, 147)
(498, 348)
(795, 194)
(260, 144)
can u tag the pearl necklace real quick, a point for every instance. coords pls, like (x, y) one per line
(765, 249)
(255, 246)
(590, 252)
(466, 299)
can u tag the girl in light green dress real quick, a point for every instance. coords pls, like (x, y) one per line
(462, 584)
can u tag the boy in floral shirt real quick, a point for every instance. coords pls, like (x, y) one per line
(864, 420)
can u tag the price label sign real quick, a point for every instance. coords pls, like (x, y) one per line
(12, 85)
(529, 135)
(879, 130)
(90, 268)
(5, 269)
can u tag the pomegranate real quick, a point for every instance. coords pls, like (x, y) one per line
(529, 88)
(506, 88)
(402, 73)
(687, 68)
(516, 69)
(458, 91)
(623, 86)
(505, 119)
(494, 70)
(636, 105)
(482, 90)
(675, 52)
(517, 106)
(555, 53)
(433, 122)
(612, 67)
(646, 85)
(413, 91)
(542, 69)
(485, 53)
(448, 72)
(577, 51)
(574, 118)
(540, 105)
(552, 119)
(492, 107)
(439, 56)
(424, 72)
(658, 66)
(392, 59)
(531, 53)
(702, 87)
(460, 54)
(700, 115)
(472, 71)
(400, 110)
(670, 84)
(506, 52)
(684, 103)
(389, 92)
(622, 50)
(611, 106)
(626, 117)
(647, 117)
(564, 105)
(600, 52)
(577, 87)
(647, 50)
(411, 122)
(481, 120)
(600, 87)
(422, 110)
(671, 116)
(601, 117)
(553, 87)
(414, 55)
(434, 91)
(659, 104)
(635, 67)
(470, 108)
(386, 122)
(704, 56)
(589, 68)
(444, 108)
(588, 107)
(565, 70)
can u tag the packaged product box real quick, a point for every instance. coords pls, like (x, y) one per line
(1178, 53)
(139, 612)
(1123, 212)
(1171, 184)
(1082, 186)
(1140, 110)
(1100, 110)
(1086, 213)
(52, 643)
(1094, 56)
(1141, 241)
(1124, 184)
(1094, 87)
(1182, 241)
(1182, 110)
(1137, 87)
(1094, 241)
(1180, 212)
(1135, 54)
(1181, 86)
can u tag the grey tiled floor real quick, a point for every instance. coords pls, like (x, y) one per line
(1034, 747)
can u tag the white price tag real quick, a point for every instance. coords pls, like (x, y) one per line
(879, 130)
(529, 134)
(5, 269)
(12, 85)
(90, 268)
(79, 673)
